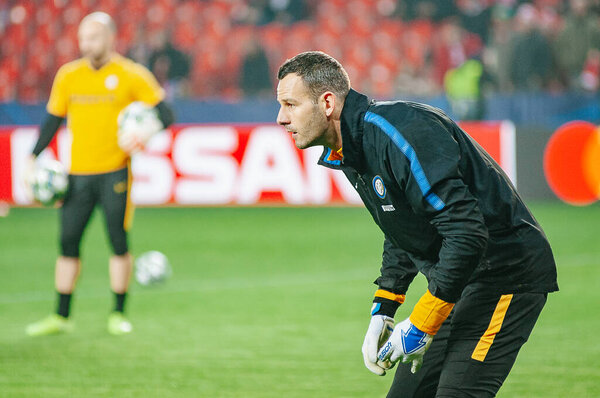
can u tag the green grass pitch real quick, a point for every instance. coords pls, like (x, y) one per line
(263, 302)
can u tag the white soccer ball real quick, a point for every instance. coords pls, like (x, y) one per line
(151, 268)
(49, 182)
(137, 123)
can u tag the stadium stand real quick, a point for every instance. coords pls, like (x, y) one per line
(385, 44)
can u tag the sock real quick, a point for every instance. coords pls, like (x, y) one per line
(120, 301)
(64, 304)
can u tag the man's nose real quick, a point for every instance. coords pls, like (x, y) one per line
(282, 117)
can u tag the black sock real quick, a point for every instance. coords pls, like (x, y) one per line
(64, 304)
(120, 301)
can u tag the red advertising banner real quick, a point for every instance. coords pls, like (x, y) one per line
(206, 165)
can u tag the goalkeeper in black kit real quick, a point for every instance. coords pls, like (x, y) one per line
(448, 211)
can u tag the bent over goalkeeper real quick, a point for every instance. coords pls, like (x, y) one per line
(90, 92)
(448, 211)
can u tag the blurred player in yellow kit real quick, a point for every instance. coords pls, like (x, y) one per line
(90, 92)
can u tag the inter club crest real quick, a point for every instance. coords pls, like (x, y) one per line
(379, 187)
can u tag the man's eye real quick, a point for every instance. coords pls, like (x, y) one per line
(291, 105)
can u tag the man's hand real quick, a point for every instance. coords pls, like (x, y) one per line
(380, 329)
(406, 344)
(133, 140)
(28, 176)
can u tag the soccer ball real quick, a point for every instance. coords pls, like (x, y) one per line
(137, 115)
(49, 182)
(151, 268)
(137, 123)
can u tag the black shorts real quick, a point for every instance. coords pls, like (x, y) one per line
(475, 348)
(111, 191)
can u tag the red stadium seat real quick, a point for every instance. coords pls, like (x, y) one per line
(362, 34)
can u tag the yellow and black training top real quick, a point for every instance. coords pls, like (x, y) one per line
(91, 100)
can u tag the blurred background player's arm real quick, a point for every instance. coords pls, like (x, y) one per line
(56, 111)
(147, 89)
(48, 129)
(165, 114)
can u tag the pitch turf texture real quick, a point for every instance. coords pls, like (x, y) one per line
(263, 302)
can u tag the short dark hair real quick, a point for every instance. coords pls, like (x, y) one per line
(320, 72)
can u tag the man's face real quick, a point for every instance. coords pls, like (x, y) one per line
(95, 40)
(299, 114)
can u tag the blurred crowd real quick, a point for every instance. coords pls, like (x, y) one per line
(231, 49)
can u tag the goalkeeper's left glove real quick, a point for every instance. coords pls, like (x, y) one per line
(412, 337)
(385, 304)
(407, 344)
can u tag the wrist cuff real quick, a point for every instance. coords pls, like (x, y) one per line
(399, 298)
(384, 307)
(429, 313)
(386, 303)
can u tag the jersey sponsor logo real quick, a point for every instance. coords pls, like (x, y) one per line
(379, 187)
(388, 207)
(92, 98)
(111, 82)
(120, 187)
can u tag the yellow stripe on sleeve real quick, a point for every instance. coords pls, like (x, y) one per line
(399, 298)
(485, 342)
(429, 313)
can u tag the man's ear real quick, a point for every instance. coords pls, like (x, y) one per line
(329, 102)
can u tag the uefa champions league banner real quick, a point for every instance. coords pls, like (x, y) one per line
(204, 165)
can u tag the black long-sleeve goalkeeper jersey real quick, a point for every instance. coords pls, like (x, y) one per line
(445, 206)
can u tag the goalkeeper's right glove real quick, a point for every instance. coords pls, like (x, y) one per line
(380, 328)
